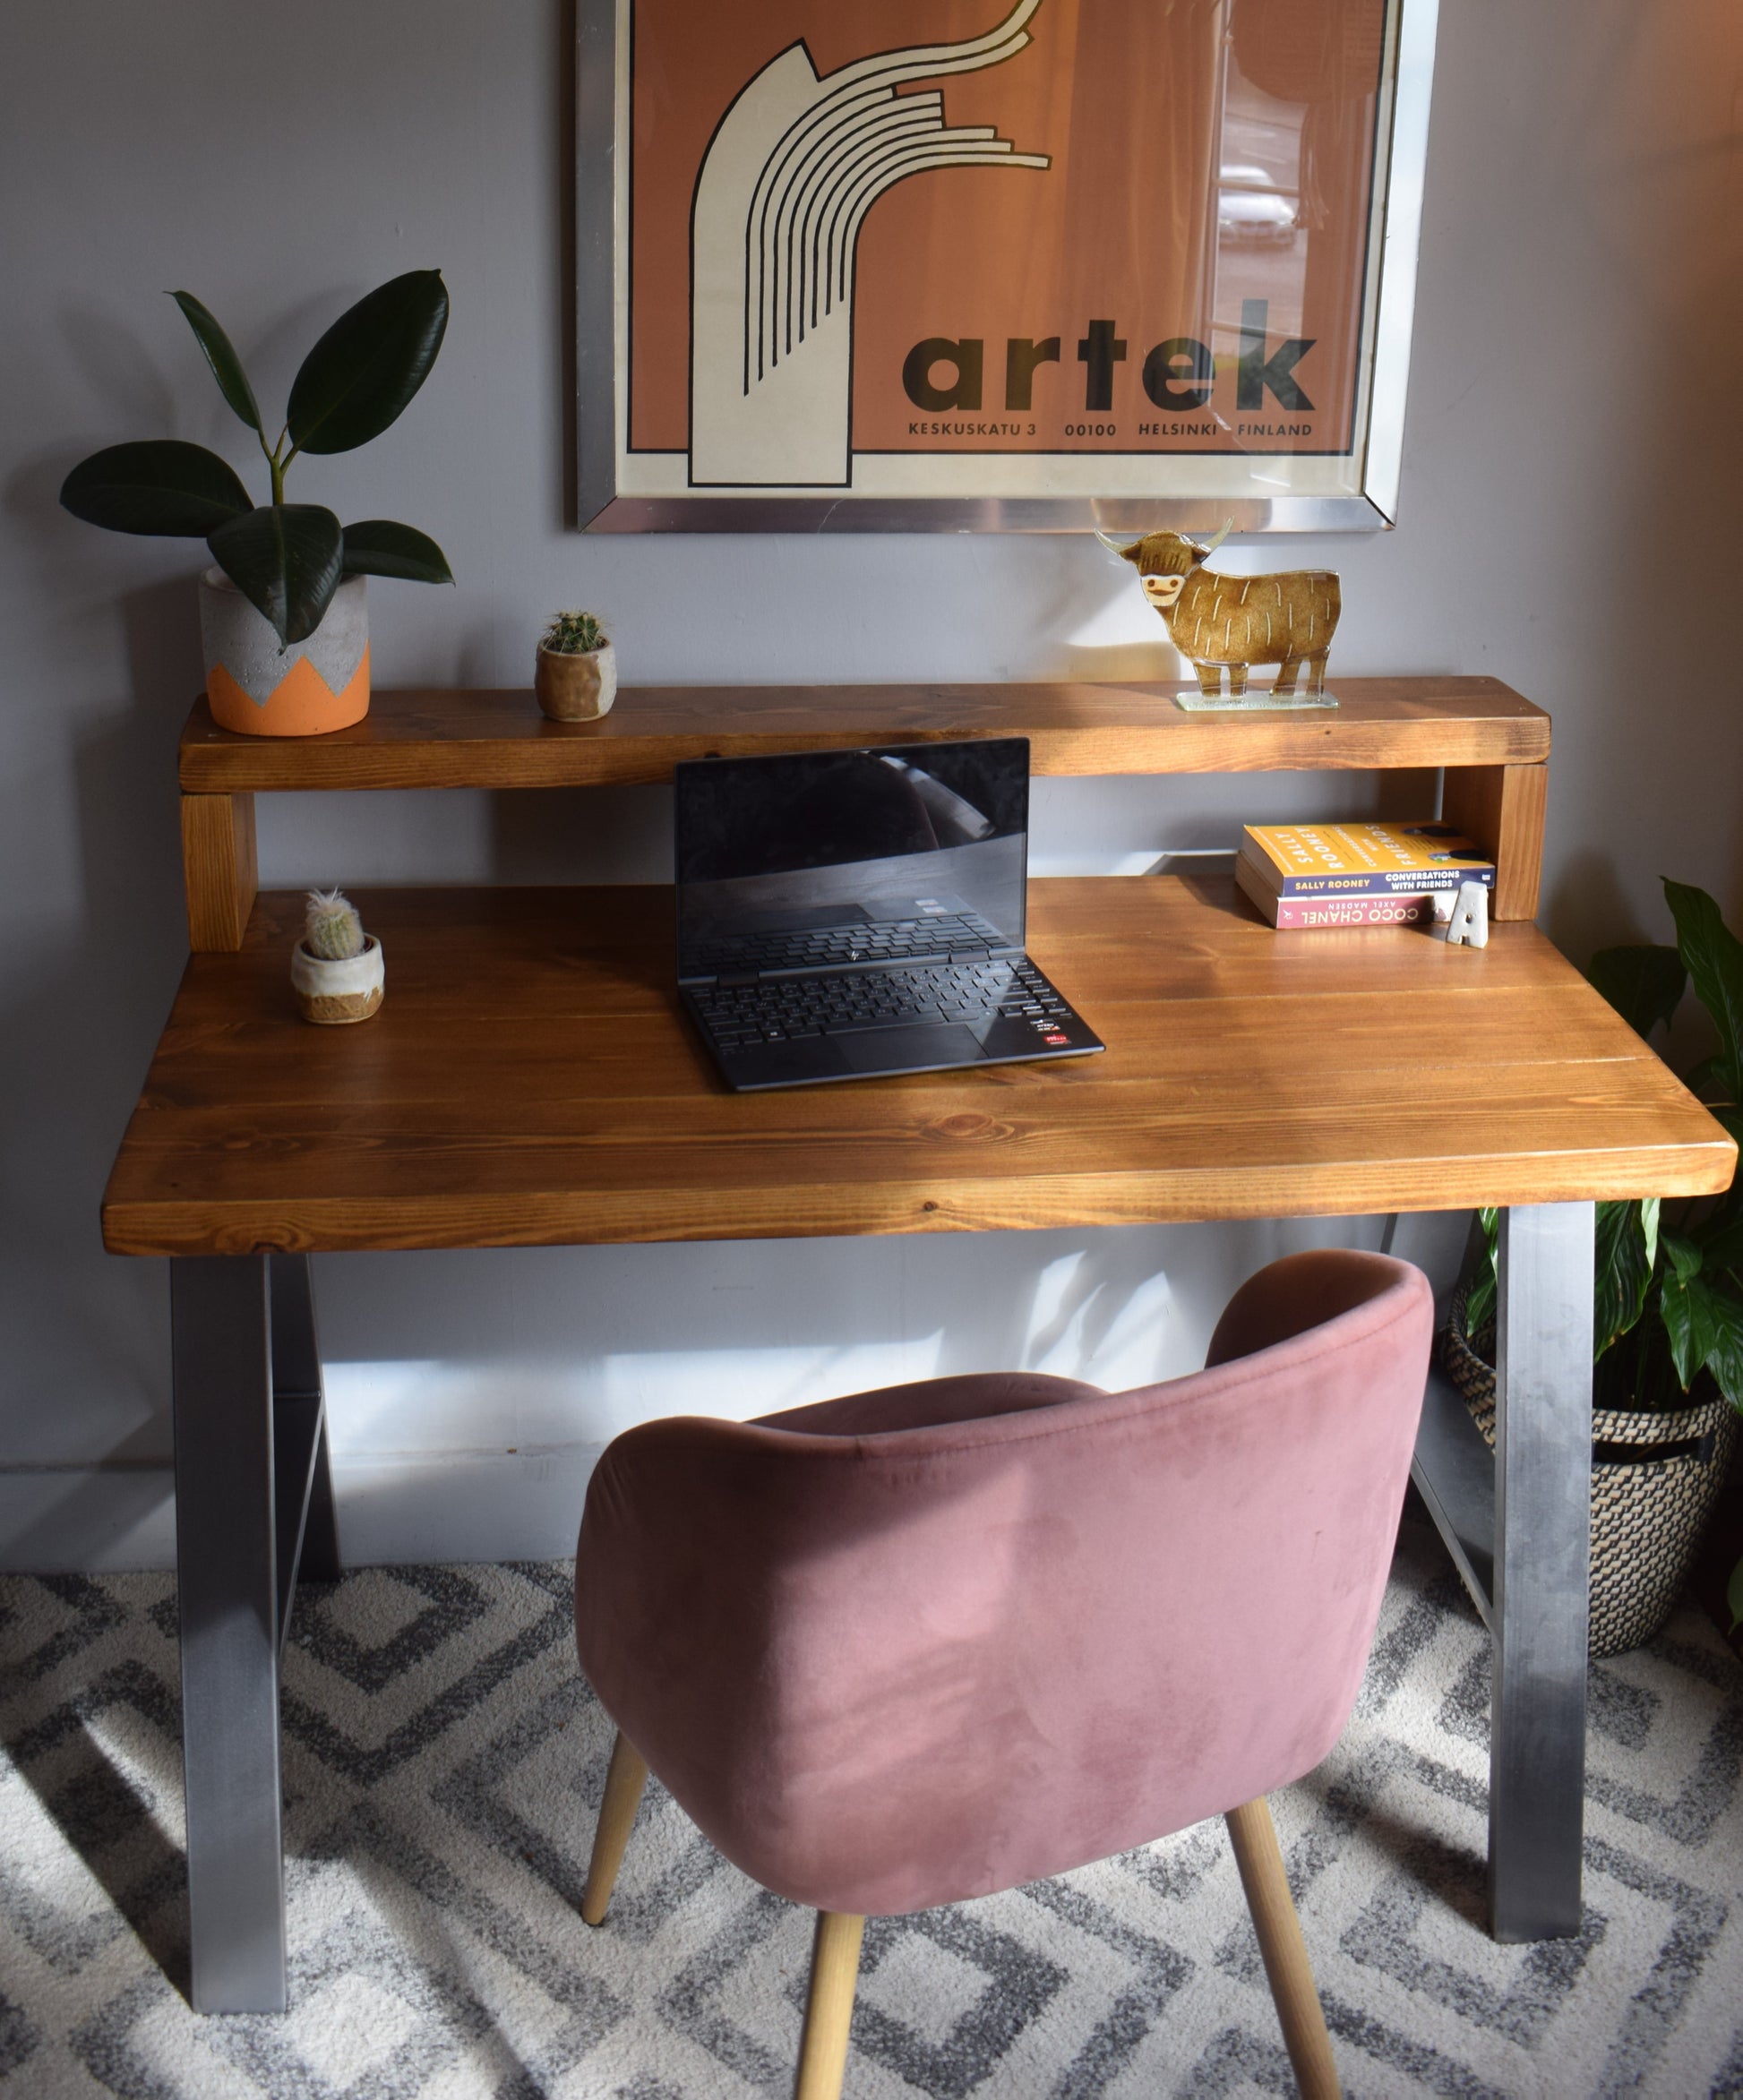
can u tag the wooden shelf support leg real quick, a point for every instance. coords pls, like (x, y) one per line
(1502, 808)
(219, 868)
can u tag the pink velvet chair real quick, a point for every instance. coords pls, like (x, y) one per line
(909, 1647)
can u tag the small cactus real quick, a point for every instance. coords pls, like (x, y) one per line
(574, 634)
(333, 932)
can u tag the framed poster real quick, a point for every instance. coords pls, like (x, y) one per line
(1002, 264)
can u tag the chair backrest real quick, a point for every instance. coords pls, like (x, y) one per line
(884, 1671)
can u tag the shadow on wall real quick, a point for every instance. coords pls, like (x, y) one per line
(471, 1392)
(91, 814)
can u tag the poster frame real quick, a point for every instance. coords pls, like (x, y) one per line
(601, 338)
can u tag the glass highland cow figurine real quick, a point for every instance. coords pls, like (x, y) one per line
(1231, 622)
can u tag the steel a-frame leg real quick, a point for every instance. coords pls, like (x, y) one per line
(1542, 1571)
(1518, 1523)
(253, 1494)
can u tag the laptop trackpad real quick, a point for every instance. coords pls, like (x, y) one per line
(909, 1049)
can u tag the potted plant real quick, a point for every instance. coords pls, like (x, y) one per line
(576, 677)
(336, 969)
(1668, 1311)
(282, 614)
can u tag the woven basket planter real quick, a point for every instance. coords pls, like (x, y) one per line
(1655, 1479)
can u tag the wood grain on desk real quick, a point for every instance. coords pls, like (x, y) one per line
(1492, 745)
(530, 1080)
(499, 739)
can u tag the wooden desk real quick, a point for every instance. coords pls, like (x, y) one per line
(530, 1080)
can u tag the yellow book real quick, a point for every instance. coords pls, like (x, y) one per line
(1362, 860)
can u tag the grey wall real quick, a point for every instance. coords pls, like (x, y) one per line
(1571, 464)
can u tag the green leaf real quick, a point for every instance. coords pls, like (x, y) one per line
(1706, 1326)
(369, 364)
(1644, 984)
(1724, 1358)
(1724, 1250)
(379, 547)
(1479, 1299)
(1734, 1596)
(1624, 1268)
(220, 355)
(1703, 1318)
(1685, 1257)
(162, 485)
(1714, 958)
(285, 558)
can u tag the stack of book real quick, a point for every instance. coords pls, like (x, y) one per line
(1357, 874)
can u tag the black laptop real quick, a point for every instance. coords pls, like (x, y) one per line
(847, 914)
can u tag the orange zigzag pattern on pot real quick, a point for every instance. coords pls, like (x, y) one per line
(302, 704)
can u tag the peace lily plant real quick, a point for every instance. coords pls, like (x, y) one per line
(1668, 1302)
(287, 559)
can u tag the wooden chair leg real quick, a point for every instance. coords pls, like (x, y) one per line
(624, 1779)
(1280, 1941)
(829, 2008)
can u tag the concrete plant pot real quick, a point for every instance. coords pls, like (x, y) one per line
(575, 685)
(260, 686)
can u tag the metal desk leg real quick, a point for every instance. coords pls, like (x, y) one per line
(254, 1500)
(1542, 1550)
(227, 1585)
(308, 1534)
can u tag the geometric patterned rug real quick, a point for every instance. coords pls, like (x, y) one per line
(443, 1761)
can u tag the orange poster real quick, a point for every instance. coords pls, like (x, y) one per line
(893, 249)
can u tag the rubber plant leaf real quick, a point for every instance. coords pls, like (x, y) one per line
(1714, 957)
(1644, 984)
(369, 364)
(159, 485)
(379, 547)
(1624, 1268)
(220, 355)
(285, 558)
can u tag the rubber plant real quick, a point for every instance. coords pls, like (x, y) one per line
(287, 559)
(1668, 1287)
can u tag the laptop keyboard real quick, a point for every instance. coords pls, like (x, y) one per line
(933, 934)
(739, 1014)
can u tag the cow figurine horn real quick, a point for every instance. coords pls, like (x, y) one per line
(1114, 547)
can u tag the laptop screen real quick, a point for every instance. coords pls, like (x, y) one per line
(916, 849)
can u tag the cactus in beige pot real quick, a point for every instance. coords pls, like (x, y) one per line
(576, 674)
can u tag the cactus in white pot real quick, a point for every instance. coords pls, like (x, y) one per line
(335, 968)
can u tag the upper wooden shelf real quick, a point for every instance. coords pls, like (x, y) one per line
(440, 737)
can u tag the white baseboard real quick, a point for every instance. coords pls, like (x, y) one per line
(95, 1520)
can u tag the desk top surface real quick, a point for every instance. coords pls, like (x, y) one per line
(530, 1080)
